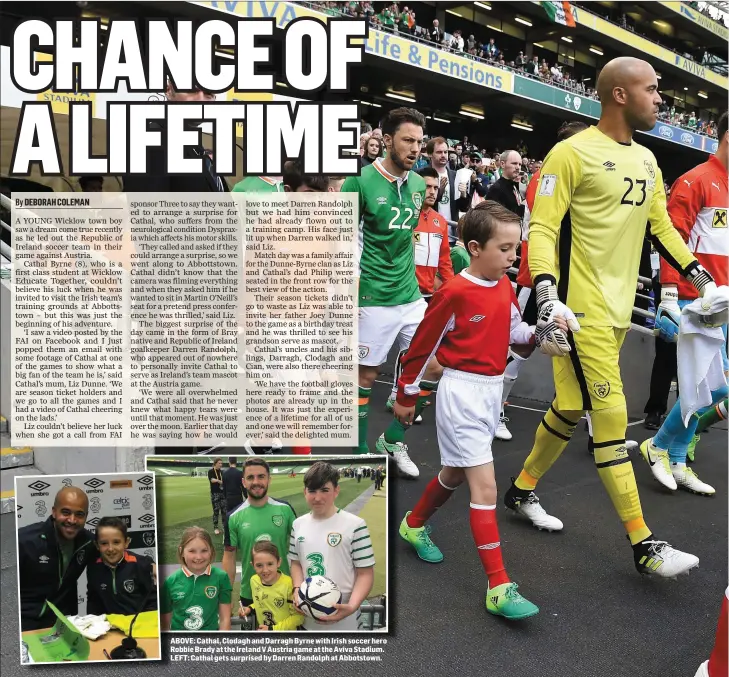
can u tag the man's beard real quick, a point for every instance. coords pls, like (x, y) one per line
(258, 492)
(397, 161)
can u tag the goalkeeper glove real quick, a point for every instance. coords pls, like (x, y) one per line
(548, 336)
(667, 315)
(715, 300)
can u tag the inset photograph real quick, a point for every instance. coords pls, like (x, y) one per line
(272, 543)
(87, 567)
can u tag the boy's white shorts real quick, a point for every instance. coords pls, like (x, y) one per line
(468, 407)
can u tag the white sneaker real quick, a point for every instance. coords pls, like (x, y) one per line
(703, 670)
(664, 560)
(657, 459)
(533, 511)
(502, 432)
(399, 452)
(687, 479)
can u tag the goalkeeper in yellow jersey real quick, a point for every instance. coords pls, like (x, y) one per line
(597, 191)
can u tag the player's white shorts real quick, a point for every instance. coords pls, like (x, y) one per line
(381, 326)
(467, 413)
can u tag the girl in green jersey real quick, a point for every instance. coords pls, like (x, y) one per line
(197, 596)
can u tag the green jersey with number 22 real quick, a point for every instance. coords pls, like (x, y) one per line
(389, 208)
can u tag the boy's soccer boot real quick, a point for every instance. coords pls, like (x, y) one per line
(419, 538)
(687, 479)
(398, 451)
(502, 432)
(658, 461)
(691, 450)
(505, 600)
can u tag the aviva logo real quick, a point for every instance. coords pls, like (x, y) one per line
(283, 12)
(690, 66)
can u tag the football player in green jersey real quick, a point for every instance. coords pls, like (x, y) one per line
(390, 304)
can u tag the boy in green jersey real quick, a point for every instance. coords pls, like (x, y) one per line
(391, 306)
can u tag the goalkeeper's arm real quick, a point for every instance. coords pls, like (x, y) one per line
(561, 174)
(671, 246)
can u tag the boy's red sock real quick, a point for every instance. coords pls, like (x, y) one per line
(434, 496)
(486, 536)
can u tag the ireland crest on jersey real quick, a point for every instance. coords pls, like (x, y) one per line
(277, 520)
(602, 389)
(418, 201)
(334, 539)
(211, 591)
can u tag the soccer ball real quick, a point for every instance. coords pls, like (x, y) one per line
(318, 595)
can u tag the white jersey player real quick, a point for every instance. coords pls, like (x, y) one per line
(334, 543)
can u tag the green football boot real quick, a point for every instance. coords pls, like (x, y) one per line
(690, 451)
(506, 600)
(419, 538)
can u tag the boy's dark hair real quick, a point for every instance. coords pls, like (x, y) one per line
(114, 523)
(570, 128)
(256, 461)
(319, 474)
(232, 460)
(722, 125)
(479, 223)
(400, 116)
(430, 148)
(294, 177)
(265, 546)
(428, 173)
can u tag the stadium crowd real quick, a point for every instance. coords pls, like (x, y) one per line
(404, 23)
(486, 165)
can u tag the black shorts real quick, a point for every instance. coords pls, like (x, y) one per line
(529, 310)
